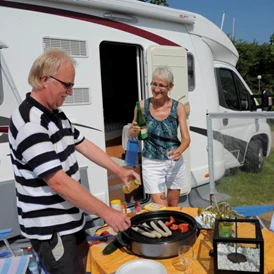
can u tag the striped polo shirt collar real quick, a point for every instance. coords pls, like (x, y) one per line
(51, 113)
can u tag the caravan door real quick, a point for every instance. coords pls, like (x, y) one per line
(176, 59)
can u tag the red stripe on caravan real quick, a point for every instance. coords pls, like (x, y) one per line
(127, 28)
(4, 129)
(93, 19)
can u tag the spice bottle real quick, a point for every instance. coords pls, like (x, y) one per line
(137, 207)
(116, 204)
(124, 207)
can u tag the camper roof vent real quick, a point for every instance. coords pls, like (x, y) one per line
(75, 48)
(80, 96)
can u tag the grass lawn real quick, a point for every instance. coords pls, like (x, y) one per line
(249, 188)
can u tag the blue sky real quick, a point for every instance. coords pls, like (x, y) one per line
(254, 19)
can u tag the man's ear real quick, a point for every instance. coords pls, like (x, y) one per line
(44, 80)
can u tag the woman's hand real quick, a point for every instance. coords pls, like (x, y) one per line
(176, 153)
(133, 130)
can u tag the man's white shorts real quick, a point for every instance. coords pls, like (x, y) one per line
(159, 175)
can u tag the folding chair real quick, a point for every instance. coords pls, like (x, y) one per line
(256, 210)
(14, 264)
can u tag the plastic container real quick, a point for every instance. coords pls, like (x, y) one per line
(116, 204)
(33, 265)
(154, 207)
(132, 152)
(133, 184)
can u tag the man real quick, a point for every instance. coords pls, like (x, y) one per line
(266, 99)
(43, 143)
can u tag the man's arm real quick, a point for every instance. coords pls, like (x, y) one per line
(98, 156)
(77, 195)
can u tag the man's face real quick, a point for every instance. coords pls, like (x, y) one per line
(59, 86)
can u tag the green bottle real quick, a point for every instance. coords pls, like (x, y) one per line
(141, 122)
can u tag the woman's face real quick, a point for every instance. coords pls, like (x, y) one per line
(160, 88)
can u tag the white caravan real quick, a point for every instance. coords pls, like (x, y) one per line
(116, 44)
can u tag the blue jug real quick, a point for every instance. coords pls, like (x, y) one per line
(132, 152)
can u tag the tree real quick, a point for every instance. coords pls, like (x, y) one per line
(254, 60)
(157, 2)
(248, 61)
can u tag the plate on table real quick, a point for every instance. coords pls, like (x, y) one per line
(141, 266)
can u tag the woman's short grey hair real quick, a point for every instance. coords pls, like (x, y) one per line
(164, 73)
(47, 63)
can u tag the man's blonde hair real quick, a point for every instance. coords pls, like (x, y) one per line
(47, 63)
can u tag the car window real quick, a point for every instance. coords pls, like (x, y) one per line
(229, 89)
(244, 96)
(233, 94)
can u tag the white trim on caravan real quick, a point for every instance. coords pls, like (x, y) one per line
(116, 44)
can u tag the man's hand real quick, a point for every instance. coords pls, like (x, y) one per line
(127, 175)
(117, 220)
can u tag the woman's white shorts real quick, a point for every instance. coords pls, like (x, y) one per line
(161, 174)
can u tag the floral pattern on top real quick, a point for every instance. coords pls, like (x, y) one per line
(162, 134)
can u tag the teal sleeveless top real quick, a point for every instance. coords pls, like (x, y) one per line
(162, 135)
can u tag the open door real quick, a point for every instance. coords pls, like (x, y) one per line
(122, 86)
(176, 59)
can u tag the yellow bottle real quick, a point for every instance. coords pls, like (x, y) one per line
(133, 184)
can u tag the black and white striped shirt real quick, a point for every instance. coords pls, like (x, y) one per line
(42, 142)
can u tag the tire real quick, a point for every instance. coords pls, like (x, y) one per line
(231, 171)
(254, 157)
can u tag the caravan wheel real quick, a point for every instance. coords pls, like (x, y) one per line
(254, 157)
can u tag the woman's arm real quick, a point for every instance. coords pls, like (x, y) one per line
(185, 137)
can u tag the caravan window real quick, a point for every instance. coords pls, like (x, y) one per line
(190, 71)
(232, 92)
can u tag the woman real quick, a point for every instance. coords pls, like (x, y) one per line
(162, 161)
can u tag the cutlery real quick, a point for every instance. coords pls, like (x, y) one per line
(94, 238)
